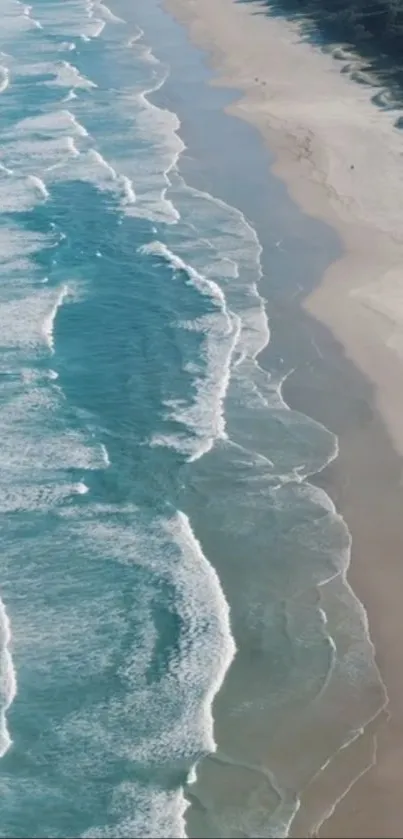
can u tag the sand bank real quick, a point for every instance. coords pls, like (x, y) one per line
(341, 158)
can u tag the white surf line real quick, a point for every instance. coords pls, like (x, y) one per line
(126, 185)
(4, 78)
(106, 12)
(39, 185)
(99, 23)
(100, 27)
(8, 681)
(333, 653)
(81, 130)
(134, 38)
(105, 455)
(48, 324)
(128, 191)
(191, 547)
(68, 46)
(97, 156)
(6, 170)
(70, 75)
(26, 11)
(203, 284)
(81, 488)
(71, 147)
(70, 96)
(208, 287)
(100, 8)
(181, 147)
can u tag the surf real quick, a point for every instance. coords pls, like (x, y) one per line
(132, 324)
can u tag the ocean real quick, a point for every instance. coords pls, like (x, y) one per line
(172, 586)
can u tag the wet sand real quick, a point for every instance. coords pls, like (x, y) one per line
(341, 159)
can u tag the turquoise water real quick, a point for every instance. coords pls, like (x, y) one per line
(146, 459)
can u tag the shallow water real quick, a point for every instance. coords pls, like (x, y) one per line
(154, 508)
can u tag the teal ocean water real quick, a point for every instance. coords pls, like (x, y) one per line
(154, 512)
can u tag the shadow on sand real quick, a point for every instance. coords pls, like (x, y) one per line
(368, 60)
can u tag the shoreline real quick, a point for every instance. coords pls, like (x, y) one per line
(356, 306)
(320, 182)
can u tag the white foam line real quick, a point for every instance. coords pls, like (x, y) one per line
(68, 45)
(134, 38)
(48, 325)
(149, 106)
(67, 74)
(216, 428)
(39, 185)
(180, 149)
(301, 473)
(187, 540)
(104, 10)
(220, 423)
(81, 488)
(4, 78)
(26, 10)
(333, 655)
(128, 191)
(8, 681)
(77, 125)
(105, 455)
(6, 170)
(205, 286)
(73, 150)
(72, 147)
(171, 214)
(265, 336)
(100, 26)
(101, 160)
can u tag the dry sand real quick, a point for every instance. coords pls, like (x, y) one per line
(341, 158)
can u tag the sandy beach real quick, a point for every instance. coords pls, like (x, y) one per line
(341, 159)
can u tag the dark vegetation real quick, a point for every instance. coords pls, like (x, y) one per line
(373, 28)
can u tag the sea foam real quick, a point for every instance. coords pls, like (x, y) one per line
(212, 248)
(4, 79)
(8, 681)
(205, 415)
